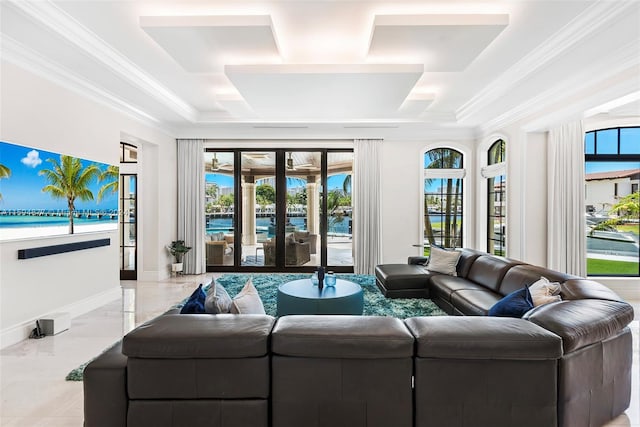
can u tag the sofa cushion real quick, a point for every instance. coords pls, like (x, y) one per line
(200, 336)
(341, 337)
(582, 322)
(525, 274)
(443, 261)
(467, 258)
(460, 337)
(198, 378)
(402, 276)
(574, 289)
(488, 271)
(195, 302)
(474, 302)
(516, 304)
(443, 286)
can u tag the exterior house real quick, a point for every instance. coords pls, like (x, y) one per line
(604, 189)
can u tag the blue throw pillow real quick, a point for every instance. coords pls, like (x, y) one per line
(516, 304)
(195, 303)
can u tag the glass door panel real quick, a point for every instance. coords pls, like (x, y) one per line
(259, 216)
(220, 212)
(128, 270)
(339, 209)
(302, 230)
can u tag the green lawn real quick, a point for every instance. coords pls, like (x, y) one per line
(634, 228)
(603, 266)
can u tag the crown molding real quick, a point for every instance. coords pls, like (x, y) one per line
(575, 110)
(622, 59)
(600, 14)
(47, 13)
(28, 59)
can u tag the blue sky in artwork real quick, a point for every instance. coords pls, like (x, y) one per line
(23, 188)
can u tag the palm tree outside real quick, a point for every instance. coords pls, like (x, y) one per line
(69, 180)
(5, 172)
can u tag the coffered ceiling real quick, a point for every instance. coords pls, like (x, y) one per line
(198, 65)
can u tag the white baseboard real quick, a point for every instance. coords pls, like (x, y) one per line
(16, 333)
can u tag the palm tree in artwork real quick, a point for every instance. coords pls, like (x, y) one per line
(111, 175)
(67, 179)
(5, 172)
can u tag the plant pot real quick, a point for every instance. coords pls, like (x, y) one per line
(176, 267)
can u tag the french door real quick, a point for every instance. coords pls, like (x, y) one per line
(278, 210)
(127, 227)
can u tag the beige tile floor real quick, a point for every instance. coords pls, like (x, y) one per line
(34, 393)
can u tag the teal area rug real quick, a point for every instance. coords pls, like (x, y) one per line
(375, 304)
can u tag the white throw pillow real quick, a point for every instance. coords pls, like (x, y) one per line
(218, 299)
(443, 261)
(544, 292)
(247, 301)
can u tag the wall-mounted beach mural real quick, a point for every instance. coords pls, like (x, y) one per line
(46, 194)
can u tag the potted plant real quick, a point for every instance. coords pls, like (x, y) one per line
(178, 249)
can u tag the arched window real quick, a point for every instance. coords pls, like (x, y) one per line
(496, 174)
(443, 198)
(612, 198)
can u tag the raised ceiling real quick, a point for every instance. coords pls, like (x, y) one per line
(198, 65)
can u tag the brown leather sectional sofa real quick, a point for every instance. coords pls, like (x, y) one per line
(563, 364)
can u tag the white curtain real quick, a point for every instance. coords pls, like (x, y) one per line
(191, 203)
(367, 237)
(566, 239)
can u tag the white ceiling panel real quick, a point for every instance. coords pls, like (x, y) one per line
(318, 64)
(333, 91)
(204, 44)
(441, 42)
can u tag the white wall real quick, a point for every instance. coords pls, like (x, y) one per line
(38, 113)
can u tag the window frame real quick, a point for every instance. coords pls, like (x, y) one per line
(443, 174)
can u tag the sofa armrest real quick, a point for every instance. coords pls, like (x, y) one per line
(582, 322)
(482, 338)
(417, 260)
(105, 389)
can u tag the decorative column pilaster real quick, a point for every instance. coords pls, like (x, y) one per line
(249, 211)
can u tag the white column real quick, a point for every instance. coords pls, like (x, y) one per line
(313, 211)
(248, 213)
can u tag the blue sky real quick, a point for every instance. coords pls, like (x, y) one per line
(591, 167)
(23, 189)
